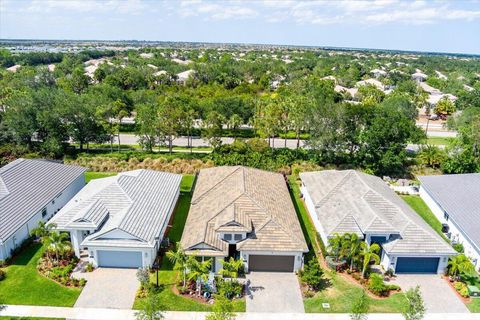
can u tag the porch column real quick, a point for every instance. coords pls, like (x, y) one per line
(76, 237)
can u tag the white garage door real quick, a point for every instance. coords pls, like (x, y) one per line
(119, 259)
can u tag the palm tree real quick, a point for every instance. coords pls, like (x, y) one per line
(431, 156)
(198, 271)
(231, 268)
(179, 259)
(460, 264)
(234, 123)
(58, 243)
(352, 243)
(43, 230)
(369, 253)
(335, 246)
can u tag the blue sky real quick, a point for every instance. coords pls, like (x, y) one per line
(444, 26)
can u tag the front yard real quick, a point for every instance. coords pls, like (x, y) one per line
(339, 292)
(169, 277)
(24, 285)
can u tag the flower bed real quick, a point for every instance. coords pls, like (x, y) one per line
(60, 270)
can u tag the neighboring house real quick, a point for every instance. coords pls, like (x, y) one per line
(354, 202)
(373, 82)
(377, 73)
(182, 77)
(14, 68)
(244, 213)
(120, 221)
(32, 191)
(419, 76)
(455, 201)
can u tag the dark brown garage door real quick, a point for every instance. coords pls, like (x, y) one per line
(271, 263)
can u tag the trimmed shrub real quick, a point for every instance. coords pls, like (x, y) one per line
(377, 286)
(3, 274)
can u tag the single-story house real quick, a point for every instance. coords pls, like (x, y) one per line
(32, 191)
(455, 201)
(182, 77)
(120, 221)
(244, 213)
(349, 201)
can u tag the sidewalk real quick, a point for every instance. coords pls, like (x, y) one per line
(122, 314)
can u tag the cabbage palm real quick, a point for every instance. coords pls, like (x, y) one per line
(336, 245)
(179, 259)
(58, 243)
(353, 244)
(43, 230)
(369, 253)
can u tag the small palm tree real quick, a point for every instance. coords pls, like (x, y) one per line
(231, 268)
(234, 123)
(369, 253)
(460, 264)
(198, 271)
(335, 246)
(179, 259)
(352, 243)
(57, 243)
(43, 230)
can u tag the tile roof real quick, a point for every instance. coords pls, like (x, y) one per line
(135, 202)
(27, 186)
(459, 196)
(241, 199)
(350, 201)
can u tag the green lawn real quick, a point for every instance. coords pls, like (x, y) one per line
(91, 175)
(339, 292)
(24, 285)
(167, 276)
(439, 140)
(424, 211)
(474, 306)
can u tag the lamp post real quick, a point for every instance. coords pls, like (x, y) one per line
(156, 267)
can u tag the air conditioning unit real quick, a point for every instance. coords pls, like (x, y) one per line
(445, 227)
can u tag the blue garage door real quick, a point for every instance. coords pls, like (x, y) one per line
(119, 259)
(417, 265)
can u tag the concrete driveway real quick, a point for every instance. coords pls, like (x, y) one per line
(439, 297)
(274, 292)
(108, 288)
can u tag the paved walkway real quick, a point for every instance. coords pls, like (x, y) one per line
(108, 288)
(437, 294)
(274, 292)
(109, 314)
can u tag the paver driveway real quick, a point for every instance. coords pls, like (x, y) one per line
(439, 297)
(108, 288)
(274, 292)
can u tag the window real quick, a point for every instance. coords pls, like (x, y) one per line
(445, 215)
(44, 212)
(227, 237)
(237, 237)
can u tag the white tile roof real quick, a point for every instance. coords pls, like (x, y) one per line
(27, 186)
(351, 201)
(136, 202)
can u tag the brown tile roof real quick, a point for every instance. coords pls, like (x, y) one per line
(241, 199)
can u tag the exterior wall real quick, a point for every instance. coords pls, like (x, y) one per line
(457, 235)
(148, 254)
(52, 207)
(390, 261)
(312, 212)
(298, 257)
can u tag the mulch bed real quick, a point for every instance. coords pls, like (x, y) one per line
(465, 300)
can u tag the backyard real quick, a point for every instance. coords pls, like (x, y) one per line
(24, 285)
(339, 292)
(167, 276)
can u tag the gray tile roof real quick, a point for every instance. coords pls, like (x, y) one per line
(459, 196)
(27, 186)
(241, 199)
(350, 201)
(135, 202)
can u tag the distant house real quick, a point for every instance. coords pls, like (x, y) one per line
(419, 76)
(32, 191)
(455, 201)
(120, 221)
(182, 77)
(373, 82)
(244, 213)
(377, 73)
(349, 201)
(182, 62)
(146, 55)
(14, 68)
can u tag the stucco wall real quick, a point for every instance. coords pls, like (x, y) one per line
(456, 234)
(311, 211)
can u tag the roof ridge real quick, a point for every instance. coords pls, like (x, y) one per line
(200, 197)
